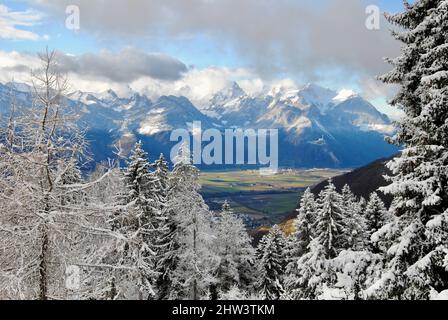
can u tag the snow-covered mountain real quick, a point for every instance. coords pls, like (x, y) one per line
(318, 127)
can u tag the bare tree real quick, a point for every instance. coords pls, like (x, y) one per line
(46, 219)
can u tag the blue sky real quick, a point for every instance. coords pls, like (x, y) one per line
(241, 39)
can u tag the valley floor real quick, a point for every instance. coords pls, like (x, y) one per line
(262, 200)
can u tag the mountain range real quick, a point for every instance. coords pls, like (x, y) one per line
(317, 127)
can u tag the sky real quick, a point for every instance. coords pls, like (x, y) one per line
(197, 47)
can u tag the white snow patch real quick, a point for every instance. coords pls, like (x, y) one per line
(344, 95)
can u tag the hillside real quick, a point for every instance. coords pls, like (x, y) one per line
(362, 181)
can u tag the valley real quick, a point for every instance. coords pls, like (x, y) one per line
(261, 200)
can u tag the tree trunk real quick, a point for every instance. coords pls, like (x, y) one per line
(43, 265)
(195, 282)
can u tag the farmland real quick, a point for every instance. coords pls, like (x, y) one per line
(263, 199)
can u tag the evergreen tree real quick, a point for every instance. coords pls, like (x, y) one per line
(417, 258)
(376, 214)
(313, 275)
(331, 228)
(298, 242)
(303, 231)
(186, 261)
(356, 226)
(235, 254)
(272, 261)
(141, 204)
(161, 177)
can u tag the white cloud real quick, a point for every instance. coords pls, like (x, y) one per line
(17, 66)
(124, 66)
(196, 84)
(275, 37)
(12, 22)
(373, 88)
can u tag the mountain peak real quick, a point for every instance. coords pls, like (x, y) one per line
(317, 95)
(18, 86)
(344, 95)
(227, 94)
(232, 91)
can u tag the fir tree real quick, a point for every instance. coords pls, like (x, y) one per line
(139, 230)
(186, 262)
(313, 275)
(299, 241)
(419, 182)
(376, 214)
(272, 263)
(303, 231)
(330, 228)
(355, 232)
(234, 252)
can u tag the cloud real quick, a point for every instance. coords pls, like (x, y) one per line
(152, 74)
(301, 37)
(17, 66)
(372, 89)
(126, 66)
(11, 20)
(197, 84)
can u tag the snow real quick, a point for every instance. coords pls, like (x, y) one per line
(382, 128)
(344, 95)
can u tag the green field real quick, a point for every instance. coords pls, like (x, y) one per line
(265, 198)
(253, 181)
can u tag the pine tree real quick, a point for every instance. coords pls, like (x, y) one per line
(272, 261)
(299, 241)
(165, 245)
(303, 233)
(417, 258)
(313, 275)
(235, 254)
(355, 232)
(141, 202)
(186, 261)
(331, 229)
(161, 177)
(376, 214)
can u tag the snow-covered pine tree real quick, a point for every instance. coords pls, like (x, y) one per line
(313, 275)
(376, 214)
(234, 252)
(186, 262)
(356, 271)
(417, 259)
(139, 226)
(330, 226)
(313, 272)
(355, 222)
(303, 225)
(168, 239)
(161, 177)
(298, 242)
(272, 263)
